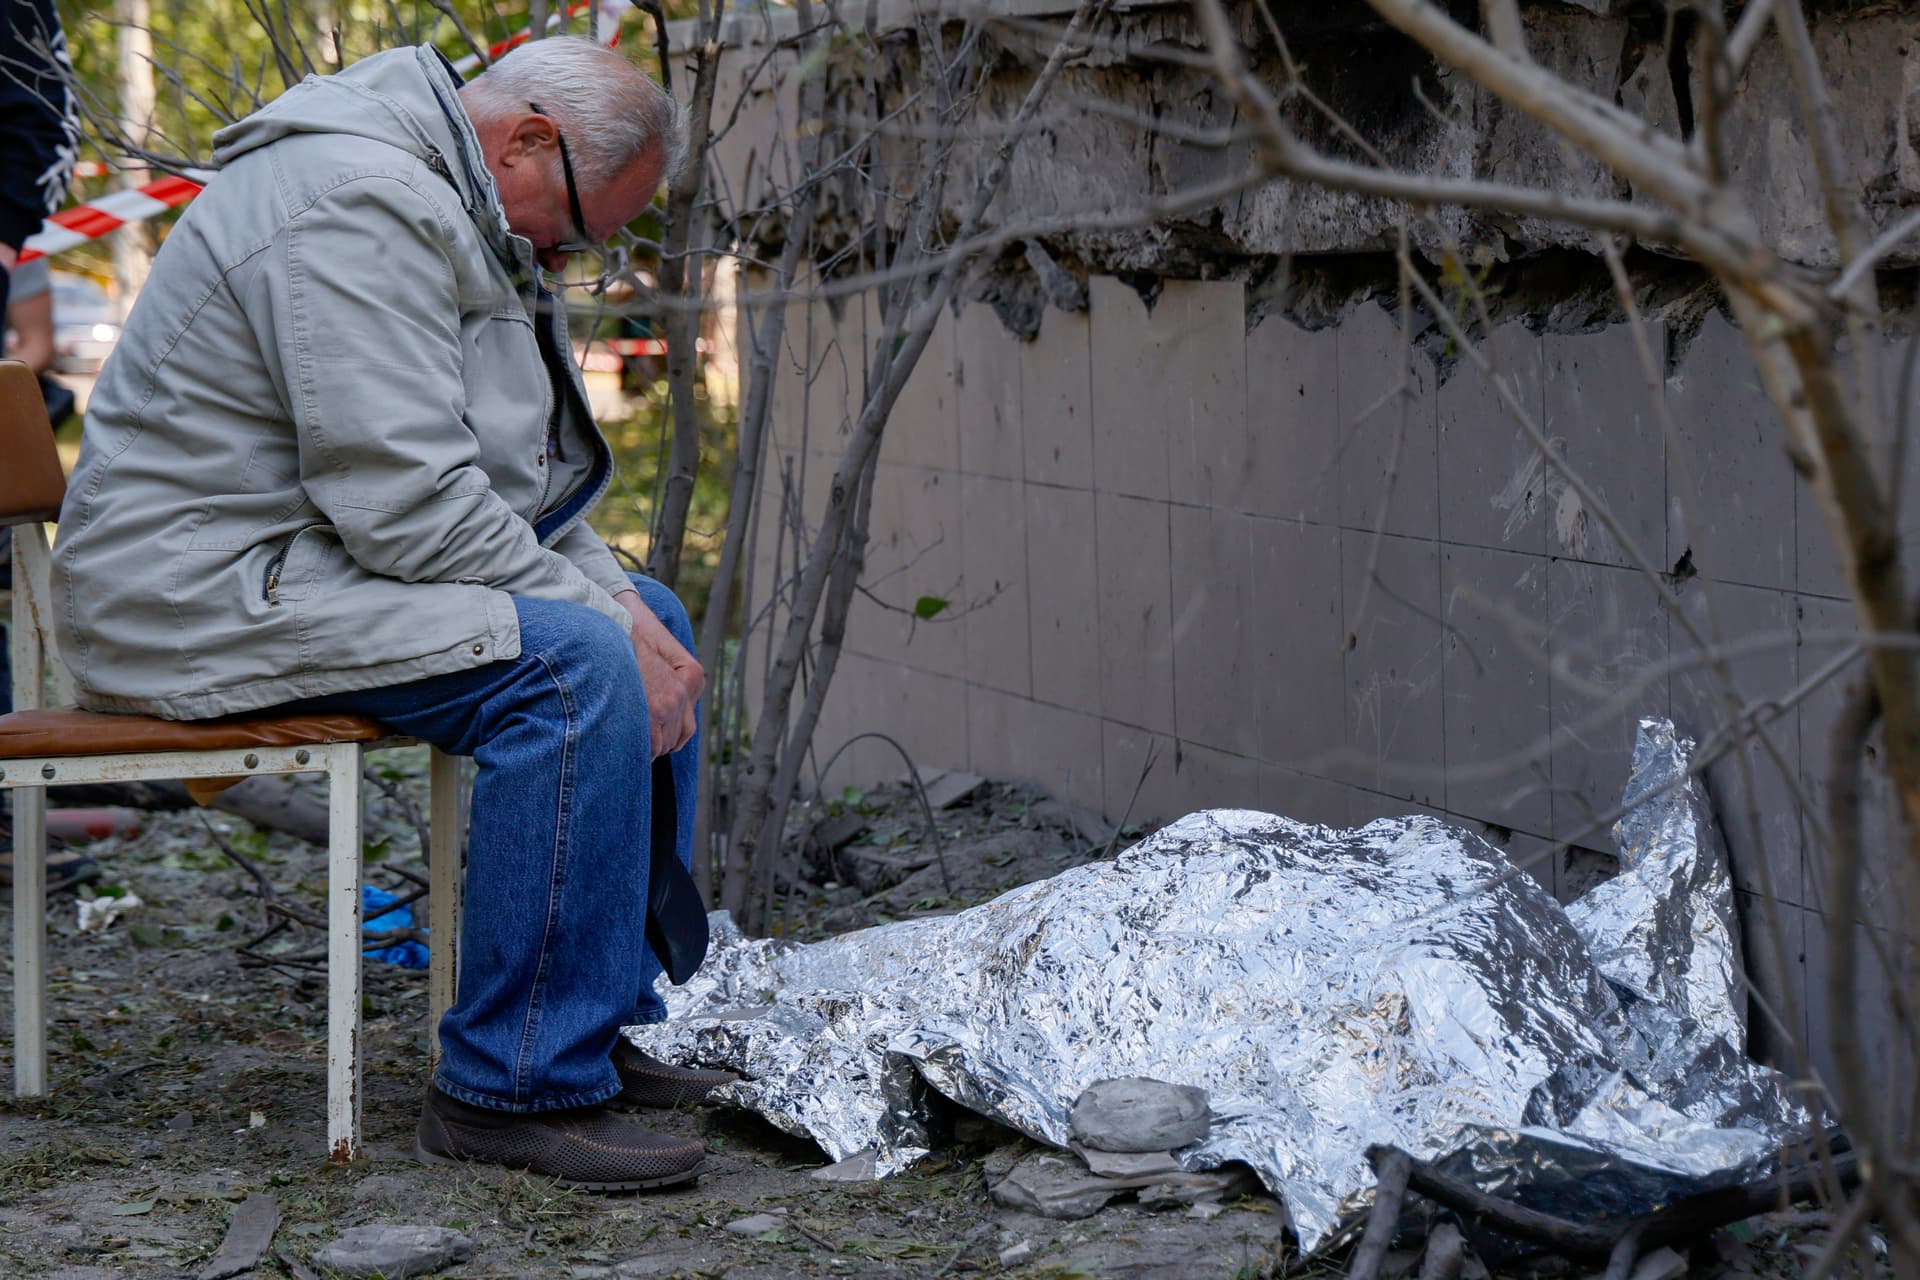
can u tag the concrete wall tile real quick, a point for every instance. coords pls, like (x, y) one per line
(926, 713)
(1210, 779)
(1293, 422)
(793, 485)
(1883, 961)
(1497, 725)
(1817, 568)
(1139, 770)
(1063, 597)
(1136, 635)
(1056, 400)
(1364, 805)
(1600, 409)
(1900, 410)
(1390, 595)
(1827, 630)
(1025, 741)
(985, 358)
(1297, 686)
(1132, 368)
(803, 378)
(1493, 482)
(1775, 939)
(1389, 479)
(1533, 855)
(1202, 395)
(1303, 797)
(1732, 459)
(993, 593)
(1610, 648)
(789, 375)
(914, 549)
(1765, 860)
(1213, 639)
(924, 429)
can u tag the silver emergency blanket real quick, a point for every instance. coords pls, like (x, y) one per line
(1399, 983)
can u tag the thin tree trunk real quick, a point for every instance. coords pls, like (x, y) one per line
(895, 362)
(681, 279)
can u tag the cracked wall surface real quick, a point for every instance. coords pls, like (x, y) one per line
(1240, 531)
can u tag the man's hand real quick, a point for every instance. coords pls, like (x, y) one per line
(674, 681)
(9, 257)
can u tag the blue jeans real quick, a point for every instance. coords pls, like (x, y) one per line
(553, 956)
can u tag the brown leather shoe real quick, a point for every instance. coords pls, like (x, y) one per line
(587, 1148)
(645, 1081)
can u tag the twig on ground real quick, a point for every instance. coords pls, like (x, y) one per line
(1683, 1220)
(1446, 1254)
(1146, 767)
(394, 792)
(1389, 1193)
(1626, 1252)
(267, 892)
(919, 791)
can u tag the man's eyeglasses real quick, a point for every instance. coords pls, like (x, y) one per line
(585, 243)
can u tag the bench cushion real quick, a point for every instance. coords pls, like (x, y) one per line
(68, 732)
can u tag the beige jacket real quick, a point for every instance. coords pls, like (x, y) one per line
(319, 459)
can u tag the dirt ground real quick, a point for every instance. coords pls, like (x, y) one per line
(185, 1080)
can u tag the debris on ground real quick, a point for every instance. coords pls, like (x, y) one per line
(81, 826)
(392, 1252)
(1135, 1115)
(758, 1224)
(98, 913)
(249, 1237)
(154, 1019)
(945, 788)
(1056, 1186)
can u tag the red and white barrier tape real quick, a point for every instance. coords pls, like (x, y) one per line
(611, 12)
(108, 213)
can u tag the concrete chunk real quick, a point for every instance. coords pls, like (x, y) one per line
(393, 1251)
(1140, 1115)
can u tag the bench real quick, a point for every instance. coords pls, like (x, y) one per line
(42, 747)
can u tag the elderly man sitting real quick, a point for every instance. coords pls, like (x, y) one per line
(341, 460)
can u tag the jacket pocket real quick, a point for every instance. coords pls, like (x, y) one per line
(286, 579)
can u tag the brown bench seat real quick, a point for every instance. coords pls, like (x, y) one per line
(70, 732)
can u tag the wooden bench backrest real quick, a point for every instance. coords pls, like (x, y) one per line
(31, 482)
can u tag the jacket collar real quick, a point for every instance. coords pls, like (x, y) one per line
(466, 168)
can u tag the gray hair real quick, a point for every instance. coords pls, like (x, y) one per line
(609, 110)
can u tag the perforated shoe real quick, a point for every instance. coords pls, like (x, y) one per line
(587, 1148)
(645, 1081)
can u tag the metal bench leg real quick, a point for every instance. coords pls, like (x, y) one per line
(28, 660)
(444, 884)
(29, 942)
(344, 943)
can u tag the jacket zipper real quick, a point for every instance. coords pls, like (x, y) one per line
(278, 563)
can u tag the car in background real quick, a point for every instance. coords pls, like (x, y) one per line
(86, 324)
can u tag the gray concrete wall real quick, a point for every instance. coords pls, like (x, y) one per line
(1247, 554)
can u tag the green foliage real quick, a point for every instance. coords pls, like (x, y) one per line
(215, 61)
(640, 445)
(929, 607)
